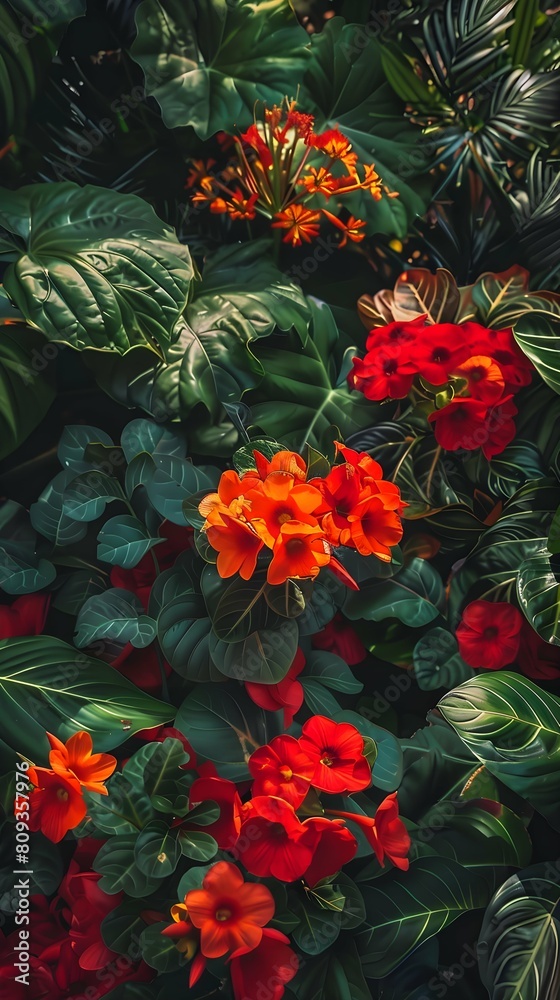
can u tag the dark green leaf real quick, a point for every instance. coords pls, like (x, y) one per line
(124, 541)
(115, 614)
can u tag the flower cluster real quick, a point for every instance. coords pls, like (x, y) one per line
(56, 803)
(284, 831)
(285, 171)
(227, 916)
(479, 369)
(300, 521)
(289, 776)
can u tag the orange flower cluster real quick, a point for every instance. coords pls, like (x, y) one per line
(300, 520)
(56, 803)
(270, 175)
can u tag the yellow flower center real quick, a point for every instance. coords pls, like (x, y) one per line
(286, 773)
(223, 914)
(62, 794)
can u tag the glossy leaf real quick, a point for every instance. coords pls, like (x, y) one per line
(538, 590)
(115, 614)
(124, 541)
(437, 661)
(46, 685)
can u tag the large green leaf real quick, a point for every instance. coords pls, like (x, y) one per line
(117, 615)
(46, 685)
(415, 596)
(22, 570)
(208, 62)
(490, 570)
(26, 382)
(223, 725)
(482, 833)
(513, 727)
(437, 661)
(123, 541)
(404, 909)
(93, 267)
(538, 590)
(347, 88)
(518, 943)
(117, 864)
(337, 975)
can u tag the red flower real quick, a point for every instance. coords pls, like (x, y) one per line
(439, 350)
(286, 694)
(385, 832)
(88, 906)
(336, 847)
(24, 616)
(141, 667)
(461, 424)
(229, 912)
(501, 346)
(282, 769)
(337, 749)
(301, 224)
(396, 337)
(74, 759)
(489, 634)
(536, 658)
(268, 967)
(500, 427)
(56, 804)
(380, 375)
(225, 829)
(272, 841)
(340, 638)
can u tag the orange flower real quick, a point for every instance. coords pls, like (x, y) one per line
(372, 182)
(237, 546)
(299, 552)
(198, 173)
(374, 529)
(280, 502)
(300, 222)
(55, 804)
(282, 461)
(75, 759)
(318, 181)
(229, 912)
(336, 145)
(350, 229)
(233, 497)
(485, 378)
(240, 207)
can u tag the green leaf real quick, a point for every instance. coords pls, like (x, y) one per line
(197, 845)
(331, 671)
(86, 495)
(318, 928)
(537, 332)
(518, 943)
(115, 614)
(415, 596)
(157, 850)
(93, 267)
(244, 459)
(404, 909)
(158, 951)
(318, 698)
(223, 725)
(22, 571)
(538, 591)
(77, 588)
(126, 808)
(124, 541)
(207, 63)
(122, 927)
(46, 685)
(490, 570)
(26, 382)
(337, 975)
(237, 607)
(183, 632)
(483, 833)
(48, 516)
(348, 90)
(74, 441)
(156, 767)
(142, 435)
(437, 661)
(116, 863)
(174, 481)
(513, 727)
(264, 657)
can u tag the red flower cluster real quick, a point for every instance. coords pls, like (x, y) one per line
(483, 368)
(228, 915)
(489, 634)
(56, 803)
(267, 834)
(299, 521)
(269, 175)
(66, 946)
